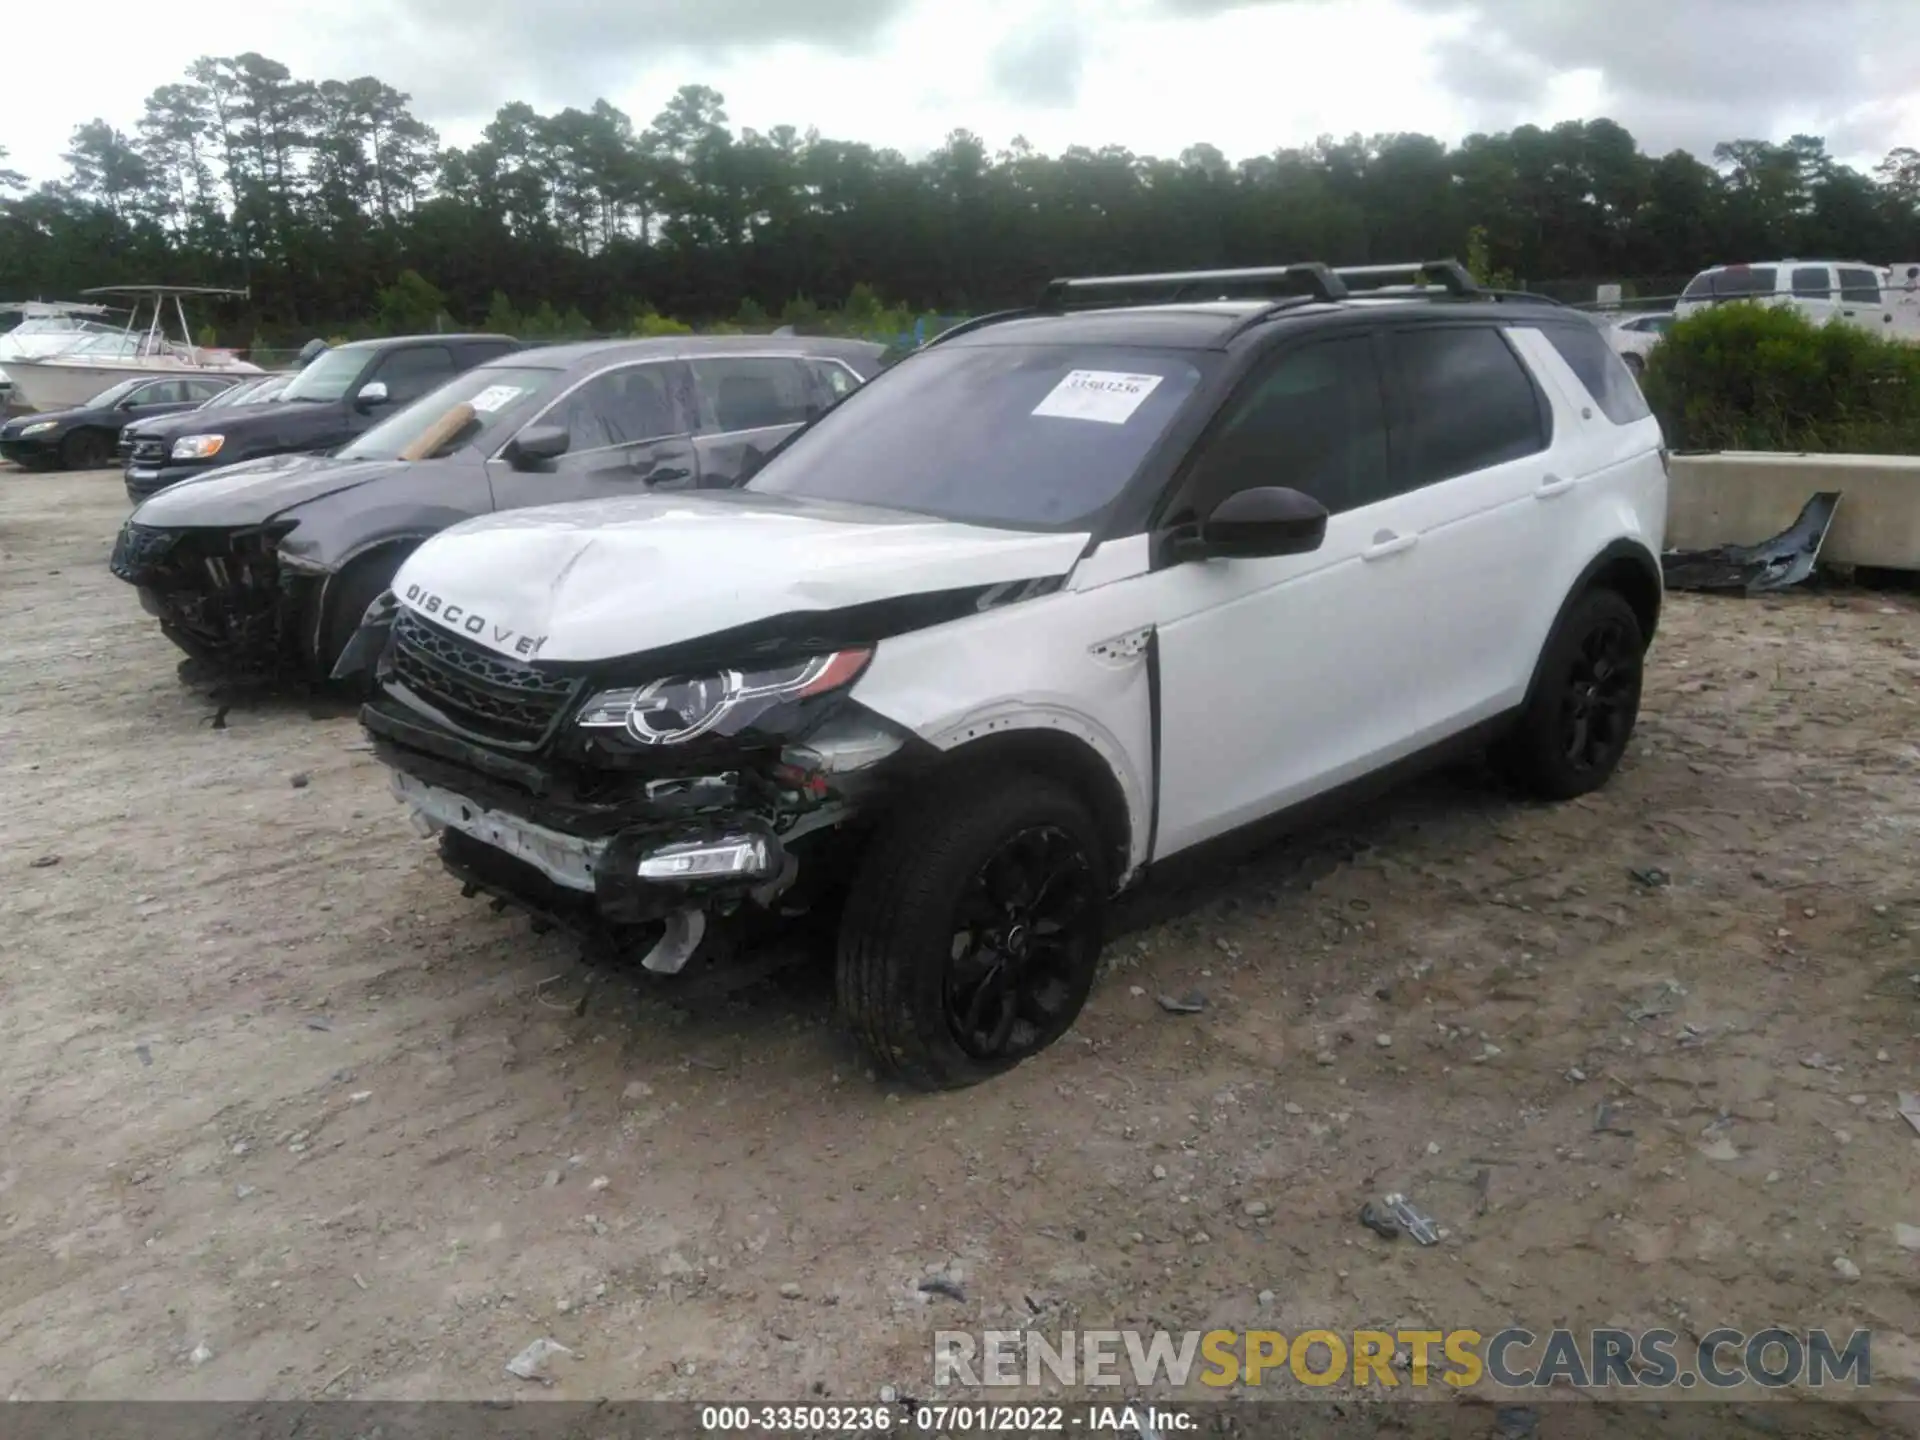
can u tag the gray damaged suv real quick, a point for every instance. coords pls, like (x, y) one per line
(263, 570)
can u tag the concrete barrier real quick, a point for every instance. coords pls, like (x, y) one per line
(1743, 497)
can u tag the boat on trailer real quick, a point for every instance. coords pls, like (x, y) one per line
(74, 375)
(47, 327)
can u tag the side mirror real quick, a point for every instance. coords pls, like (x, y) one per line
(373, 393)
(1261, 523)
(537, 443)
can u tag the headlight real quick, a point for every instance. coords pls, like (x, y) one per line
(681, 708)
(39, 427)
(197, 447)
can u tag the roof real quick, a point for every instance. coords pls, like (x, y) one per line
(1212, 325)
(596, 353)
(426, 339)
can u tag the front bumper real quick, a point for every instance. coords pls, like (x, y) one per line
(31, 450)
(223, 596)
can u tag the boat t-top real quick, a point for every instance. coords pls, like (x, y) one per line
(73, 374)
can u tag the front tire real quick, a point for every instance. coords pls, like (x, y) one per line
(86, 450)
(1585, 701)
(972, 932)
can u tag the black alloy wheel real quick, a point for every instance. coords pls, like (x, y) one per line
(971, 934)
(1601, 696)
(1020, 940)
(86, 450)
(1585, 700)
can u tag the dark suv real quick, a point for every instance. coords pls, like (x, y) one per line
(344, 392)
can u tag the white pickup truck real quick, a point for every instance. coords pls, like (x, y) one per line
(1879, 298)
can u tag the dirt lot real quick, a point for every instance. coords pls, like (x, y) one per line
(284, 1116)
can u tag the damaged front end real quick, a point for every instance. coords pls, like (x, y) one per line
(227, 597)
(666, 817)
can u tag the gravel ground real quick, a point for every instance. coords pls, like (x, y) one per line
(284, 1116)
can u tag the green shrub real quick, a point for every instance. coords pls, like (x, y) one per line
(412, 305)
(648, 323)
(1756, 377)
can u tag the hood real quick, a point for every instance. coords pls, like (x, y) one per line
(278, 425)
(256, 491)
(595, 581)
(194, 422)
(60, 419)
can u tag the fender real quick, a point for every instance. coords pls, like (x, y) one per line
(408, 539)
(1616, 552)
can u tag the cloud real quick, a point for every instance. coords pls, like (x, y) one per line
(1042, 68)
(466, 57)
(1677, 72)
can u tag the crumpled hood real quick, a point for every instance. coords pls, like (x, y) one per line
(596, 581)
(256, 491)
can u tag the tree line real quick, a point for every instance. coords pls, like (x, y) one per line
(321, 195)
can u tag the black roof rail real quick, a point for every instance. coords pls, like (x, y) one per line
(978, 322)
(1451, 275)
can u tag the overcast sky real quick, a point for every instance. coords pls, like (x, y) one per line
(1154, 75)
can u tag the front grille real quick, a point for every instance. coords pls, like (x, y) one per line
(485, 695)
(138, 549)
(149, 452)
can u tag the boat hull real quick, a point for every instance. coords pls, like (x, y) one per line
(68, 385)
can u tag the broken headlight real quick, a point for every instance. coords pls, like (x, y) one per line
(681, 708)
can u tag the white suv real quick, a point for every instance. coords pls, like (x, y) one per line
(1068, 593)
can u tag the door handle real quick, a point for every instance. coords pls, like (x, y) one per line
(1551, 486)
(1386, 543)
(666, 476)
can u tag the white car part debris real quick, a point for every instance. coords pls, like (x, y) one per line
(532, 1362)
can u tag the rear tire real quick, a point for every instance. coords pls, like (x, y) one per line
(348, 596)
(972, 931)
(1585, 701)
(86, 450)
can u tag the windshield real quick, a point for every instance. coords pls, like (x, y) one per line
(251, 392)
(113, 393)
(1030, 436)
(327, 378)
(486, 394)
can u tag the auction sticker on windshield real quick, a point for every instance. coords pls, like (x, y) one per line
(495, 396)
(1106, 396)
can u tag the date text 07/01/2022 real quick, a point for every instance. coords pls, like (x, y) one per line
(944, 1419)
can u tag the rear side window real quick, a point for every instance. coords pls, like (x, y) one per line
(1860, 287)
(1469, 403)
(753, 392)
(1811, 282)
(1603, 373)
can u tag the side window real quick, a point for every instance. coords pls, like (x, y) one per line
(1860, 287)
(1313, 419)
(1603, 373)
(160, 392)
(617, 407)
(1812, 282)
(752, 392)
(409, 374)
(835, 378)
(206, 389)
(1470, 404)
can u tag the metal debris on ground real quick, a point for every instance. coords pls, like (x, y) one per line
(1604, 1123)
(1192, 1003)
(43, 862)
(1910, 1108)
(1420, 1227)
(1652, 878)
(940, 1285)
(1785, 560)
(314, 1022)
(1380, 1223)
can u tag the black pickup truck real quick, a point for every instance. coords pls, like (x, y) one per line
(345, 391)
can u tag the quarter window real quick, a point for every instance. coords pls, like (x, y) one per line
(1314, 420)
(753, 392)
(1470, 404)
(1604, 374)
(1860, 287)
(618, 407)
